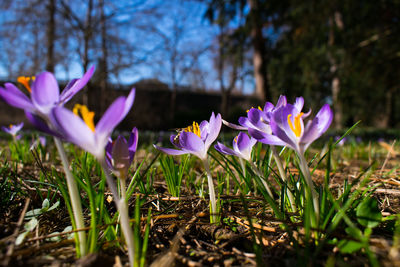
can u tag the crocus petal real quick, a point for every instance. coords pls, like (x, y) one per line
(114, 115)
(76, 131)
(120, 154)
(193, 144)
(171, 151)
(234, 126)
(281, 122)
(305, 115)
(253, 141)
(204, 130)
(255, 116)
(282, 101)
(226, 150)
(299, 103)
(45, 92)
(318, 126)
(243, 141)
(108, 149)
(244, 121)
(14, 97)
(282, 134)
(129, 102)
(5, 129)
(111, 118)
(132, 143)
(75, 86)
(19, 126)
(244, 145)
(214, 128)
(41, 125)
(268, 107)
(174, 139)
(264, 138)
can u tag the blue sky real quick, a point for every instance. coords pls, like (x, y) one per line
(198, 33)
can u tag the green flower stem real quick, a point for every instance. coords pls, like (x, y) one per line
(122, 184)
(307, 176)
(242, 166)
(282, 173)
(213, 202)
(75, 198)
(123, 211)
(258, 172)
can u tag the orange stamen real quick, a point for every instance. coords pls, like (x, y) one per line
(87, 116)
(194, 128)
(25, 82)
(296, 128)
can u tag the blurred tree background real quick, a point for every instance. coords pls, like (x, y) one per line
(346, 53)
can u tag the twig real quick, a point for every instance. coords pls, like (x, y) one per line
(389, 153)
(388, 191)
(246, 224)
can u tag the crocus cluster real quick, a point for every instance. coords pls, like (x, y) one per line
(283, 125)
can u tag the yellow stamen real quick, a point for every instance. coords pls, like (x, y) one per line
(235, 139)
(25, 82)
(87, 116)
(11, 126)
(194, 128)
(296, 128)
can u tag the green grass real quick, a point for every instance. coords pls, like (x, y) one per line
(349, 214)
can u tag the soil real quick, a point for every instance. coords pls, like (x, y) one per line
(181, 235)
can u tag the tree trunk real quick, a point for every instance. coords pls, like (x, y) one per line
(384, 119)
(104, 59)
(337, 105)
(51, 35)
(335, 21)
(86, 39)
(259, 57)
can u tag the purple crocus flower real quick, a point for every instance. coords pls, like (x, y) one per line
(258, 118)
(195, 139)
(13, 129)
(45, 93)
(242, 147)
(75, 130)
(120, 153)
(288, 128)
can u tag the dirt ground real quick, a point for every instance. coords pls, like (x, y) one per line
(181, 235)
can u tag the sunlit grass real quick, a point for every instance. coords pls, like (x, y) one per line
(349, 210)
